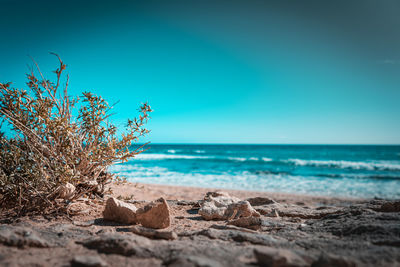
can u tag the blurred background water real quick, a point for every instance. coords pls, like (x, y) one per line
(328, 170)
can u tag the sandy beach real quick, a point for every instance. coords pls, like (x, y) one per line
(292, 230)
(149, 192)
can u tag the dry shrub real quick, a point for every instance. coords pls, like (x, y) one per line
(55, 140)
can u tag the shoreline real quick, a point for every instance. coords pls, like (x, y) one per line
(150, 191)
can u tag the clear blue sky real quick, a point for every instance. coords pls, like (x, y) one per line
(223, 71)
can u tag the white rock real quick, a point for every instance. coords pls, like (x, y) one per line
(155, 215)
(240, 209)
(119, 211)
(220, 198)
(66, 191)
(221, 206)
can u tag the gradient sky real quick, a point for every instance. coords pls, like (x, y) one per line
(223, 71)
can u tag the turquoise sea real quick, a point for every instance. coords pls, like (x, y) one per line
(326, 170)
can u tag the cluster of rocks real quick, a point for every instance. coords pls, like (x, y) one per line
(215, 206)
(154, 215)
(234, 232)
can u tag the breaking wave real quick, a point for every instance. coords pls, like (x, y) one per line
(342, 164)
(145, 156)
(172, 155)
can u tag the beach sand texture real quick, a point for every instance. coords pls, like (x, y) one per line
(309, 231)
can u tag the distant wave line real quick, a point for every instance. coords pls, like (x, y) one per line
(145, 156)
(342, 164)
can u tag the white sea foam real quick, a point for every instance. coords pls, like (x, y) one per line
(145, 156)
(237, 158)
(137, 171)
(250, 159)
(149, 156)
(266, 159)
(172, 151)
(381, 165)
(199, 151)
